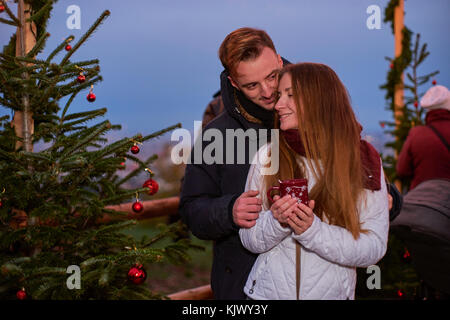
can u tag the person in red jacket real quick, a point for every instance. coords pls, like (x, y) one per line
(425, 154)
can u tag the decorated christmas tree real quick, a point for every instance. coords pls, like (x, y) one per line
(54, 241)
(400, 279)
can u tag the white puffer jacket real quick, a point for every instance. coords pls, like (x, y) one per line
(329, 254)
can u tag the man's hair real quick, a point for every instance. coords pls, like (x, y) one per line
(241, 45)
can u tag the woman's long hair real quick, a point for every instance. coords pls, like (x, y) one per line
(331, 137)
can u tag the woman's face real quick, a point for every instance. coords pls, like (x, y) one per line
(287, 111)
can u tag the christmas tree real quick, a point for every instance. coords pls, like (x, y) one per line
(400, 279)
(53, 201)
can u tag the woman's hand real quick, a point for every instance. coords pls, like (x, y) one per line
(282, 208)
(301, 218)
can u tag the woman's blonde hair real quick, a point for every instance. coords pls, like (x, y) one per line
(331, 137)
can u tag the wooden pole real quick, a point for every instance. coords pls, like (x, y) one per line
(199, 293)
(399, 13)
(25, 40)
(152, 209)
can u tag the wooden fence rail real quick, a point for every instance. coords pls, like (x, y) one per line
(160, 208)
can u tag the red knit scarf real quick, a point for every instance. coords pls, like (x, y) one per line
(369, 157)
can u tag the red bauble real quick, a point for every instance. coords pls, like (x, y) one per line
(122, 166)
(21, 294)
(434, 82)
(152, 185)
(2, 8)
(81, 78)
(137, 274)
(90, 97)
(134, 149)
(68, 47)
(382, 124)
(391, 66)
(400, 293)
(416, 104)
(137, 206)
(406, 256)
(1, 203)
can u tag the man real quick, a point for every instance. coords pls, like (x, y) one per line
(212, 201)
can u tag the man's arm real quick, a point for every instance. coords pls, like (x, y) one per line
(207, 212)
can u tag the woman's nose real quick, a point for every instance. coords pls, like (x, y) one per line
(279, 105)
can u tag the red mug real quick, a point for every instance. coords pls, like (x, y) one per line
(297, 188)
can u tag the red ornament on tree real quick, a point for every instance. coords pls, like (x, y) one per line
(2, 8)
(135, 149)
(90, 97)
(391, 66)
(406, 256)
(21, 294)
(137, 274)
(137, 206)
(1, 203)
(68, 47)
(400, 293)
(152, 186)
(81, 78)
(434, 82)
(416, 104)
(382, 124)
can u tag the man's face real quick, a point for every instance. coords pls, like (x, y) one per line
(258, 78)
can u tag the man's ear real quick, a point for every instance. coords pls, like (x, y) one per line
(234, 84)
(280, 61)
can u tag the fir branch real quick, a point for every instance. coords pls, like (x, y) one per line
(83, 117)
(137, 171)
(59, 48)
(127, 194)
(104, 126)
(91, 30)
(161, 132)
(12, 23)
(38, 46)
(11, 14)
(44, 10)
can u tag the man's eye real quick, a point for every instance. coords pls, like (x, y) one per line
(251, 86)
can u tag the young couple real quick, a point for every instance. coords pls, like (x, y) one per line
(287, 250)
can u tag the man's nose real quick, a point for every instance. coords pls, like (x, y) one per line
(266, 90)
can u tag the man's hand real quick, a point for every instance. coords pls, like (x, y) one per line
(390, 200)
(246, 209)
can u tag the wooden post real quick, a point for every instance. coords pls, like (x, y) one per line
(25, 40)
(398, 95)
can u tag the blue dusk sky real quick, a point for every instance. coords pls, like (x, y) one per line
(159, 57)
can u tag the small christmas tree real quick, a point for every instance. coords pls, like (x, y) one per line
(53, 200)
(399, 277)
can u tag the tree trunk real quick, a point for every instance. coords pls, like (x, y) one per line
(398, 95)
(23, 120)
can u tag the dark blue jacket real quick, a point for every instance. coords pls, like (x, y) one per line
(207, 198)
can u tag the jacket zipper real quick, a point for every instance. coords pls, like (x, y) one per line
(298, 274)
(253, 285)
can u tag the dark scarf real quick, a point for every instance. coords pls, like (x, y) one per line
(265, 116)
(369, 158)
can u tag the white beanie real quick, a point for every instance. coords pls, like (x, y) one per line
(437, 97)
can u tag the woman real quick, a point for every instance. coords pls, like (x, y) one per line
(347, 221)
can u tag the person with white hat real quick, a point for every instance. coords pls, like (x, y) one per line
(424, 221)
(425, 154)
